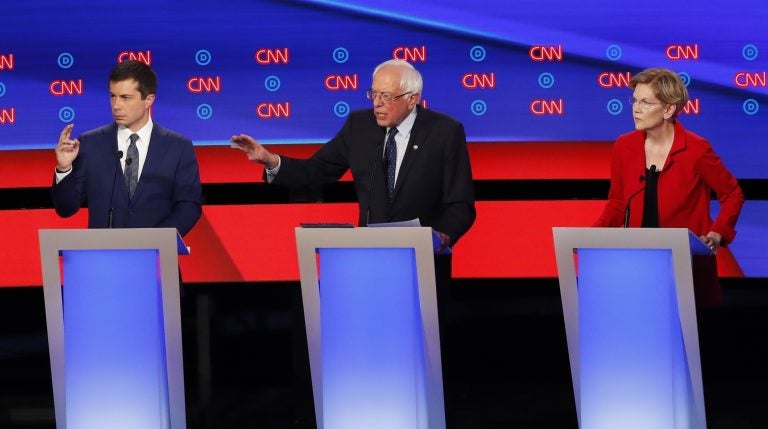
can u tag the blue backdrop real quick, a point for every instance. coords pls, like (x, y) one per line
(290, 71)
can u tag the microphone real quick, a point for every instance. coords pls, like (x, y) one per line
(128, 161)
(112, 194)
(376, 156)
(652, 171)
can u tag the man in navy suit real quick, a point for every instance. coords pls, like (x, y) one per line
(90, 169)
(433, 178)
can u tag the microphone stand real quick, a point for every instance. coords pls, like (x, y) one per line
(372, 194)
(652, 171)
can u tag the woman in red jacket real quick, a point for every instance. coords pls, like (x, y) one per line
(665, 174)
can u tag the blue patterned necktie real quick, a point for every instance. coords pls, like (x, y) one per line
(132, 165)
(390, 162)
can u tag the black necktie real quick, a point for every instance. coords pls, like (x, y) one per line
(132, 165)
(390, 162)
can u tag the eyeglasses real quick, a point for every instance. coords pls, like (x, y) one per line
(385, 97)
(644, 104)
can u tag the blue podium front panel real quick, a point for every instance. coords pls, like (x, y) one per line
(373, 363)
(114, 340)
(633, 365)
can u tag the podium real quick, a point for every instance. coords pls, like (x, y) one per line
(114, 327)
(630, 320)
(371, 318)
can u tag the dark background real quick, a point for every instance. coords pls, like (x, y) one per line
(506, 362)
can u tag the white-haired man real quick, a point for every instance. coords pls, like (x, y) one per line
(428, 176)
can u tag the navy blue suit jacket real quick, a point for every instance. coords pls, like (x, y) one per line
(435, 179)
(168, 194)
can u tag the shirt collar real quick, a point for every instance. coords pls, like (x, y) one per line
(404, 128)
(144, 133)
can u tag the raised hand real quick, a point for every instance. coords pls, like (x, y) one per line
(254, 150)
(66, 149)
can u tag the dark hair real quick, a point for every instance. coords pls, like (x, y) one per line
(138, 71)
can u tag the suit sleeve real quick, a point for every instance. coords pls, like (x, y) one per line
(458, 205)
(728, 191)
(187, 204)
(69, 194)
(327, 165)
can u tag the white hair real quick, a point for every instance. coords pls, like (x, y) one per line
(410, 80)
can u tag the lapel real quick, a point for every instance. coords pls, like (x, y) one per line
(415, 146)
(678, 144)
(637, 158)
(108, 151)
(377, 143)
(155, 154)
(378, 203)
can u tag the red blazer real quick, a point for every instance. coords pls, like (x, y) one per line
(689, 175)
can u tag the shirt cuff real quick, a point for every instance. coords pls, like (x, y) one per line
(60, 176)
(272, 172)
